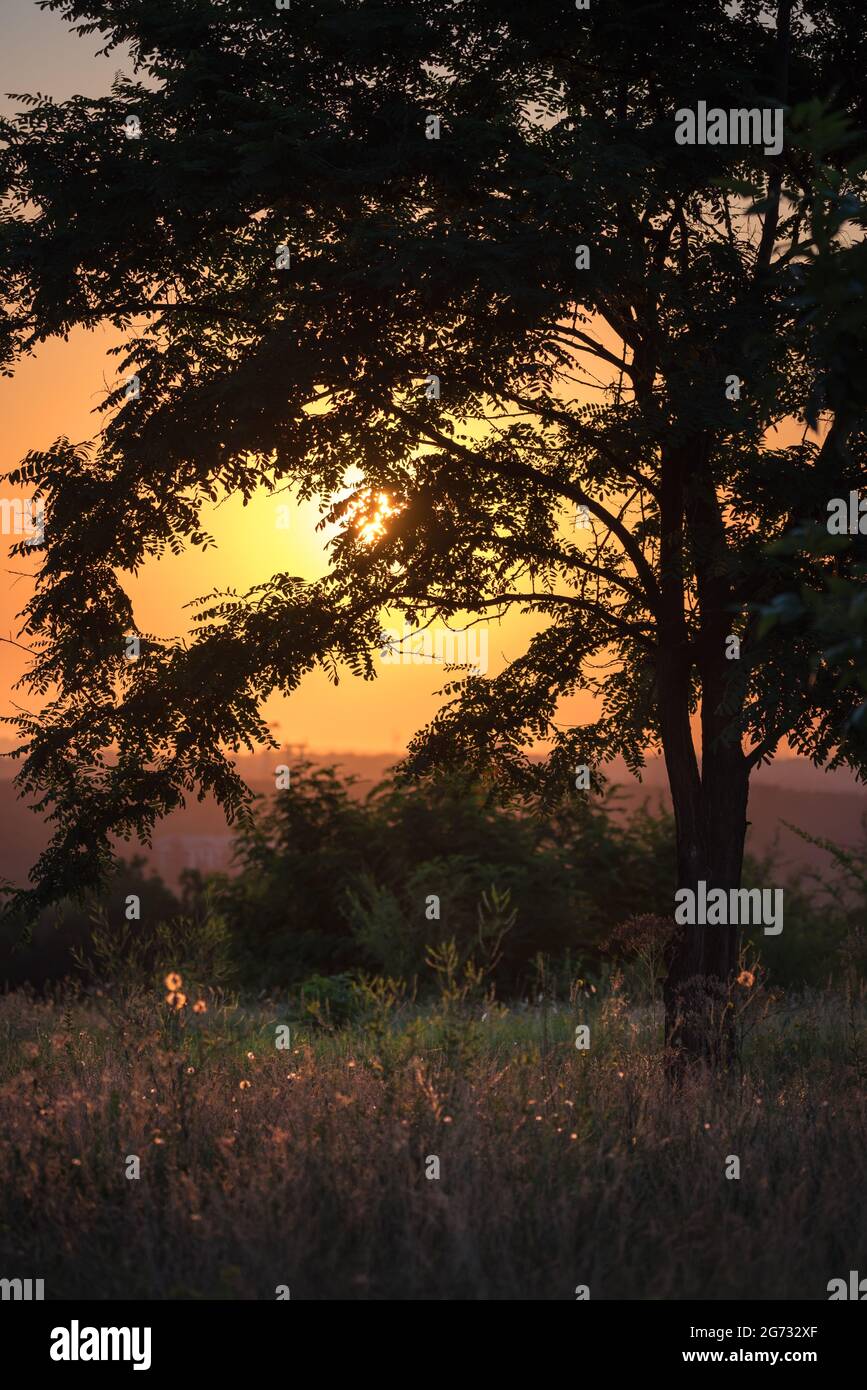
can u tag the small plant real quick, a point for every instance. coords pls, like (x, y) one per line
(470, 977)
(329, 1001)
(379, 995)
(644, 941)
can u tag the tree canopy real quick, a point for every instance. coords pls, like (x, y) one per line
(404, 246)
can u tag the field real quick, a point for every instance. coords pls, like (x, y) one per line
(303, 1167)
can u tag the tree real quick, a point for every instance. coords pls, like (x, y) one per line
(393, 243)
(831, 298)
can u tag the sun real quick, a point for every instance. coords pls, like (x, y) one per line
(370, 513)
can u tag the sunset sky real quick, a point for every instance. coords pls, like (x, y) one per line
(54, 393)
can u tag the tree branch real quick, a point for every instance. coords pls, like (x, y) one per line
(636, 632)
(775, 182)
(521, 472)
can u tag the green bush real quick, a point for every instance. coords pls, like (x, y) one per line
(331, 888)
(329, 884)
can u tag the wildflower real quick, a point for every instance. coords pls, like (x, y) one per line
(251, 1056)
(173, 981)
(176, 1000)
(200, 1007)
(747, 979)
(244, 1085)
(191, 1071)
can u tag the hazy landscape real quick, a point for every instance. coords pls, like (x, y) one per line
(434, 644)
(791, 790)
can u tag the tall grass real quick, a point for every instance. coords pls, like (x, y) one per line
(305, 1167)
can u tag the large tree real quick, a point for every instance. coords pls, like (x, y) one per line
(301, 217)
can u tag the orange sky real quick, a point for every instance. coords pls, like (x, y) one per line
(55, 392)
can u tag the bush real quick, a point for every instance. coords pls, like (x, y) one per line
(328, 884)
(62, 937)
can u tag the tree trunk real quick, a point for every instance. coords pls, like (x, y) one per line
(697, 994)
(710, 805)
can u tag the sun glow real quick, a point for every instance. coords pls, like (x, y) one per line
(369, 513)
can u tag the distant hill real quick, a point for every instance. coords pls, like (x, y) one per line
(831, 805)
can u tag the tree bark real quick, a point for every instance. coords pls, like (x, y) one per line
(710, 804)
(697, 993)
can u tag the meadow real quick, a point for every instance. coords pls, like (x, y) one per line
(285, 1144)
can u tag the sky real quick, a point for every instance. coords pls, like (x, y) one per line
(55, 393)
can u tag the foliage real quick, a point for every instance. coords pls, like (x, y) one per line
(305, 128)
(831, 298)
(327, 883)
(828, 911)
(44, 950)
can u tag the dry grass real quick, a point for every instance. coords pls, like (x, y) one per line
(306, 1167)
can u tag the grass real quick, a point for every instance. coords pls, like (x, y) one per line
(305, 1167)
